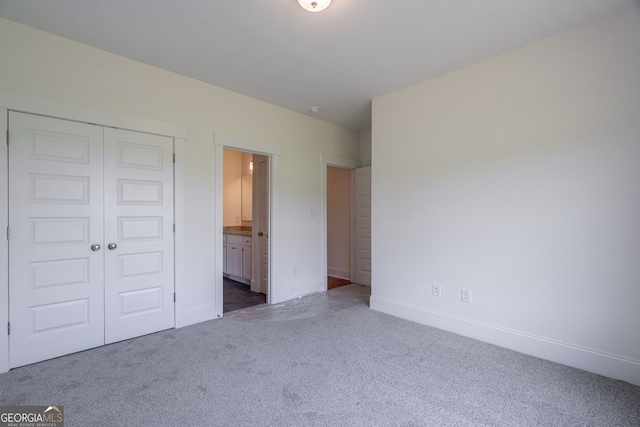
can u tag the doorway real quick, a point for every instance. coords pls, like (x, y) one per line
(338, 204)
(245, 230)
(339, 226)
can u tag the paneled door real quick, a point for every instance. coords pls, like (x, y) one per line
(91, 239)
(138, 234)
(362, 271)
(56, 263)
(262, 197)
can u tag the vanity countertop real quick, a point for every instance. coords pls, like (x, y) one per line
(243, 230)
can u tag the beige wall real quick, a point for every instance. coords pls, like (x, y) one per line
(338, 222)
(232, 188)
(37, 63)
(365, 147)
(520, 176)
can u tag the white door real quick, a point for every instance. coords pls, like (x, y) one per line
(261, 170)
(138, 234)
(362, 271)
(55, 216)
(74, 190)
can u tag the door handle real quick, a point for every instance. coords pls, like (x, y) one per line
(260, 234)
(95, 247)
(112, 246)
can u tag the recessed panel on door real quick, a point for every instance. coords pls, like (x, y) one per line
(140, 264)
(138, 192)
(54, 317)
(61, 146)
(140, 156)
(132, 229)
(140, 302)
(59, 189)
(59, 231)
(55, 273)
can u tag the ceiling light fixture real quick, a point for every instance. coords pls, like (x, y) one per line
(314, 110)
(315, 5)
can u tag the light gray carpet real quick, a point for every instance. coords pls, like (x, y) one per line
(324, 360)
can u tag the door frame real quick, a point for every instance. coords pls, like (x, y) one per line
(272, 151)
(338, 162)
(15, 101)
(4, 245)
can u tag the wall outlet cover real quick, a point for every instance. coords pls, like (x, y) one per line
(466, 295)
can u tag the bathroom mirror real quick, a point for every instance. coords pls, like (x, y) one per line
(247, 206)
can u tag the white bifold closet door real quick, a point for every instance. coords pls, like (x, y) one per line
(362, 271)
(91, 236)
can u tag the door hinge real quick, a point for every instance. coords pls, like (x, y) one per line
(174, 297)
(8, 328)
(7, 136)
(174, 157)
(174, 228)
(8, 232)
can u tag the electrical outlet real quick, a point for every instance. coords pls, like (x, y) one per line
(437, 290)
(466, 295)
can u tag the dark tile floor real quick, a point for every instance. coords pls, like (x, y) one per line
(238, 295)
(335, 282)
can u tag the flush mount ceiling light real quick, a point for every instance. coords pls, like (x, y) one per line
(315, 5)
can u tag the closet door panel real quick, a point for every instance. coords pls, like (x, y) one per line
(139, 274)
(55, 216)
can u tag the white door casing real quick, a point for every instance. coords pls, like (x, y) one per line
(68, 290)
(346, 163)
(55, 215)
(362, 271)
(4, 243)
(272, 151)
(139, 223)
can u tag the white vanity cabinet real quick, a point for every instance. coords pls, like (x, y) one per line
(237, 257)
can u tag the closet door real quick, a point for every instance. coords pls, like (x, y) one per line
(362, 271)
(139, 244)
(56, 266)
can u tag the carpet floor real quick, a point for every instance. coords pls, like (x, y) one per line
(323, 360)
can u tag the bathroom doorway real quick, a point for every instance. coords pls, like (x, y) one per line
(245, 229)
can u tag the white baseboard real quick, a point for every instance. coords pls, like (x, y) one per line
(194, 315)
(601, 363)
(339, 273)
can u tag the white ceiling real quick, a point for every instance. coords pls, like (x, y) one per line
(337, 60)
